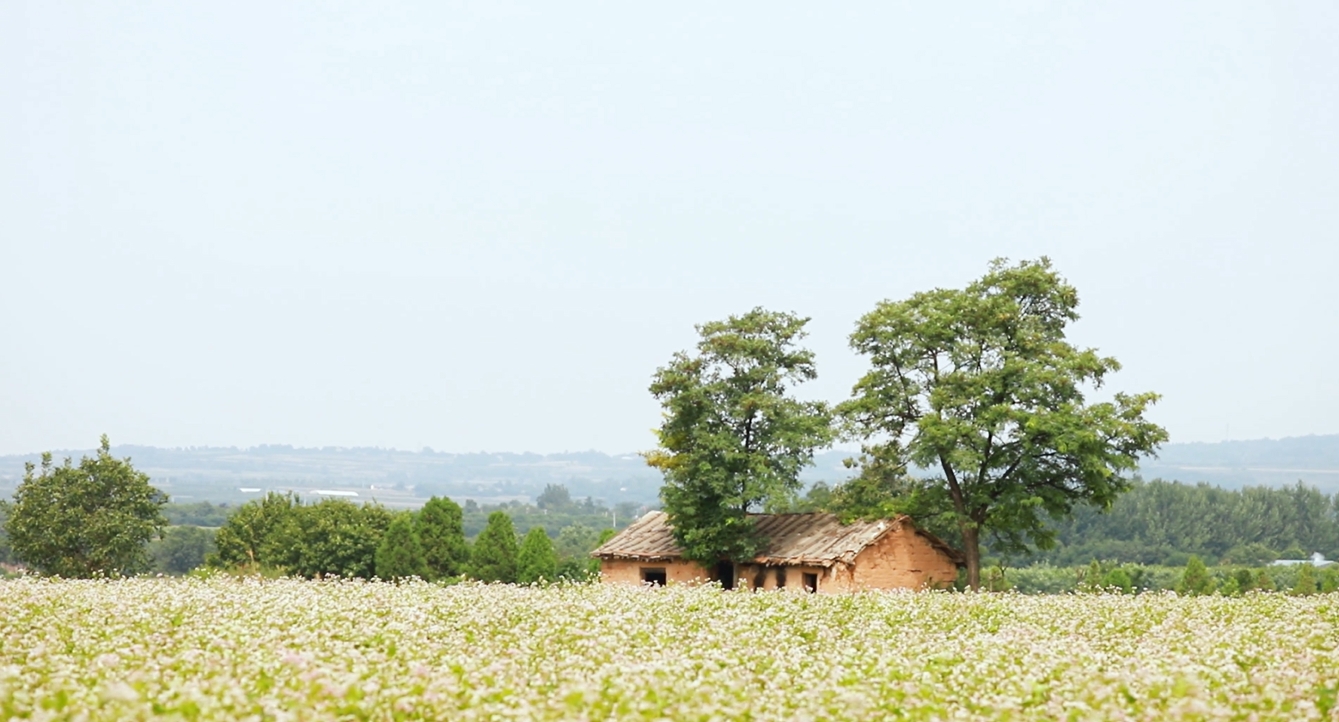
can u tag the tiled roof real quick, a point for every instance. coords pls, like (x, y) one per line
(815, 539)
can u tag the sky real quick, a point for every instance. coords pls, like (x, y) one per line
(483, 226)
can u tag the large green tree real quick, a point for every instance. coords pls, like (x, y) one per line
(80, 521)
(536, 561)
(441, 532)
(734, 438)
(252, 537)
(981, 386)
(400, 555)
(333, 537)
(494, 556)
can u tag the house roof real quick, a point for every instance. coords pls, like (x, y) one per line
(814, 539)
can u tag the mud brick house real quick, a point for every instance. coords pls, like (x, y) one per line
(815, 552)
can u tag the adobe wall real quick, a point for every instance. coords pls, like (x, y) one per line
(627, 571)
(903, 559)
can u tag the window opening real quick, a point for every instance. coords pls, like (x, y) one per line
(780, 577)
(655, 576)
(810, 583)
(725, 574)
(760, 579)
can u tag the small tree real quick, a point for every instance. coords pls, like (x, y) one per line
(555, 497)
(1306, 581)
(1118, 579)
(441, 532)
(733, 438)
(494, 555)
(1195, 580)
(79, 521)
(536, 561)
(400, 555)
(1263, 581)
(1329, 580)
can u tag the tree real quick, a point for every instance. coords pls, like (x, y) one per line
(981, 386)
(333, 537)
(253, 536)
(536, 561)
(555, 497)
(1306, 580)
(733, 438)
(494, 555)
(400, 555)
(181, 549)
(6, 553)
(80, 521)
(441, 532)
(1196, 579)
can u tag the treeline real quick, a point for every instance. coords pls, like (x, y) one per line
(280, 534)
(1195, 578)
(1161, 522)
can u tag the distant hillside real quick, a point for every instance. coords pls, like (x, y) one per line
(407, 478)
(1264, 462)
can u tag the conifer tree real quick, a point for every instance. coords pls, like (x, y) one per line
(1306, 581)
(537, 560)
(1196, 579)
(441, 532)
(494, 556)
(400, 555)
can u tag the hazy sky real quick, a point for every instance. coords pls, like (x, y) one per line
(482, 227)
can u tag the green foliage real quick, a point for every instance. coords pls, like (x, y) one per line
(1156, 522)
(1263, 582)
(1243, 580)
(251, 537)
(1230, 588)
(200, 513)
(1196, 579)
(6, 552)
(182, 549)
(1252, 554)
(80, 521)
(733, 438)
(442, 535)
(981, 385)
(573, 548)
(333, 537)
(555, 497)
(1294, 552)
(1118, 579)
(536, 561)
(1329, 579)
(400, 556)
(1306, 581)
(494, 555)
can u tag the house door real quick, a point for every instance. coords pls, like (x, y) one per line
(725, 574)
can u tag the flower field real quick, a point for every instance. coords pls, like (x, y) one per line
(227, 648)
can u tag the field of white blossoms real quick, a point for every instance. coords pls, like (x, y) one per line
(228, 648)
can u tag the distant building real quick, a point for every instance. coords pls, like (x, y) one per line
(1317, 559)
(815, 552)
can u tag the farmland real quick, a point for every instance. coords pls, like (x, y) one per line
(232, 648)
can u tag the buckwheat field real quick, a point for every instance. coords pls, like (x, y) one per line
(228, 648)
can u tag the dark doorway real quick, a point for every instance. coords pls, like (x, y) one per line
(725, 574)
(811, 583)
(780, 577)
(655, 576)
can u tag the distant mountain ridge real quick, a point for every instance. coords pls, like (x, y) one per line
(405, 478)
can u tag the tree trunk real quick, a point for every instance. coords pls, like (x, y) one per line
(971, 549)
